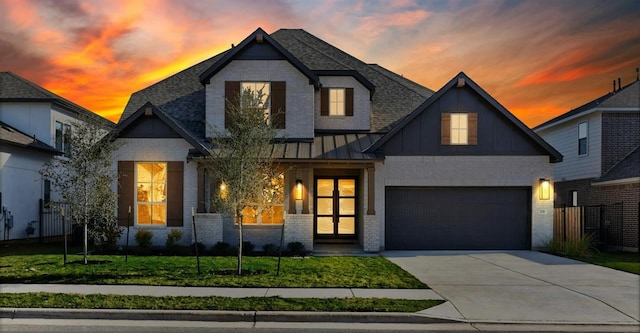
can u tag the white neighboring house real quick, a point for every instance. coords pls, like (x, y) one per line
(35, 127)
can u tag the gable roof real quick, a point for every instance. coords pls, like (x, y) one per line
(626, 98)
(182, 95)
(626, 169)
(12, 136)
(257, 37)
(150, 109)
(14, 88)
(460, 80)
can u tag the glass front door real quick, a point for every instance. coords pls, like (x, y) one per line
(335, 208)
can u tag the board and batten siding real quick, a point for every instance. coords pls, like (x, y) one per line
(564, 138)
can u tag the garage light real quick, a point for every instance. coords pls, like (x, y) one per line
(544, 189)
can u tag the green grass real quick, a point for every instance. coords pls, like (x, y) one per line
(316, 272)
(74, 301)
(623, 261)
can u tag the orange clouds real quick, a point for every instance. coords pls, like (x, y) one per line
(537, 59)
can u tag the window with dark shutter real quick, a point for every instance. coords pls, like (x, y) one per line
(348, 106)
(473, 128)
(324, 102)
(445, 129)
(175, 175)
(125, 191)
(336, 102)
(231, 93)
(459, 129)
(278, 104)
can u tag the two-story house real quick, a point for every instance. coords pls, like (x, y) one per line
(600, 142)
(369, 157)
(35, 127)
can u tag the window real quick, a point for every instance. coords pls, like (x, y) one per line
(573, 197)
(151, 193)
(273, 212)
(336, 102)
(582, 138)
(274, 101)
(63, 138)
(257, 88)
(459, 128)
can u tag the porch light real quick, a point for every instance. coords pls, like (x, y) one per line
(223, 190)
(298, 189)
(544, 189)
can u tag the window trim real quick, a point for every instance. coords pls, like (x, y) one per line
(61, 142)
(460, 129)
(166, 199)
(585, 138)
(336, 102)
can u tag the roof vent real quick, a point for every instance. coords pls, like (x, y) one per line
(460, 82)
(259, 38)
(619, 84)
(614, 85)
(148, 112)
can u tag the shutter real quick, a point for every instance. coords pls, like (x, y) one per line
(231, 95)
(278, 104)
(175, 174)
(348, 102)
(125, 191)
(473, 128)
(201, 190)
(445, 129)
(324, 101)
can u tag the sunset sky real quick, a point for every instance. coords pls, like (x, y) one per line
(537, 58)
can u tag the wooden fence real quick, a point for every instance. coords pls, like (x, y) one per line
(568, 223)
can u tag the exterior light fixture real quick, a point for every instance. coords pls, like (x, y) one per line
(544, 189)
(223, 190)
(298, 189)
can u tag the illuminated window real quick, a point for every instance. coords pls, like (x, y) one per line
(151, 193)
(273, 211)
(459, 128)
(582, 138)
(336, 102)
(258, 88)
(63, 138)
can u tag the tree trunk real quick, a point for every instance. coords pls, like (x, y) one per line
(86, 225)
(239, 243)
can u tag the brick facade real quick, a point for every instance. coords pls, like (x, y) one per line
(620, 136)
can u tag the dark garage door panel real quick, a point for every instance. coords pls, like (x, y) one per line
(419, 218)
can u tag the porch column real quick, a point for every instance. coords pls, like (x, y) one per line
(291, 180)
(371, 189)
(306, 178)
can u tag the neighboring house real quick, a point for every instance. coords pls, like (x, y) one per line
(35, 127)
(600, 141)
(369, 157)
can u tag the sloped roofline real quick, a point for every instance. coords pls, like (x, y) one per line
(259, 34)
(167, 119)
(554, 155)
(35, 144)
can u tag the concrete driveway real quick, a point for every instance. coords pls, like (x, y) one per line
(523, 287)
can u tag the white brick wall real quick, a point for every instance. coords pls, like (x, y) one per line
(162, 150)
(299, 93)
(361, 105)
(449, 171)
(208, 229)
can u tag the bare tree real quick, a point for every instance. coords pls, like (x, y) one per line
(241, 160)
(83, 178)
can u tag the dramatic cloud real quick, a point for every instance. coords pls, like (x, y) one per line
(537, 58)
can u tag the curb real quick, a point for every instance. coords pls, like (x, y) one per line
(221, 316)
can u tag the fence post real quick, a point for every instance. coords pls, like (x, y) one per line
(40, 224)
(564, 223)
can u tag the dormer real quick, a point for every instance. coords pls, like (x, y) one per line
(260, 62)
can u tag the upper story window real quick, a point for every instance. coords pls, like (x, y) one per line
(63, 137)
(459, 129)
(582, 138)
(151, 193)
(262, 89)
(336, 102)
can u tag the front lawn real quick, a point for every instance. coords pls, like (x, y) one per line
(623, 261)
(313, 272)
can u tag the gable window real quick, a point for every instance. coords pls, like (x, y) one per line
(63, 138)
(260, 88)
(582, 138)
(459, 129)
(273, 211)
(151, 193)
(336, 102)
(273, 99)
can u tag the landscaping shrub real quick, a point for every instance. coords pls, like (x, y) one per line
(143, 239)
(247, 248)
(296, 249)
(223, 249)
(173, 237)
(270, 250)
(202, 249)
(581, 248)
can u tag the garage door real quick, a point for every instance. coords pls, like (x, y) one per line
(419, 218)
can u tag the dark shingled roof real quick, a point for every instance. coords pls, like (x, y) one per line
(627, 97)
(14, 88)
(12, 136)
(182, 96)
(628, 167)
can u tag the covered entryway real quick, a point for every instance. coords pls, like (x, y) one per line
(335, 213)
(460, 218)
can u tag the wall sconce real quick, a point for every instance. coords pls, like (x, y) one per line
(544, 189)
(298, 189)
(223, 190)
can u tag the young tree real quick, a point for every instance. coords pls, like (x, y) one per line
(240, 159)
(83, 179)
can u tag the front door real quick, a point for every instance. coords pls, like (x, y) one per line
(335, 213)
